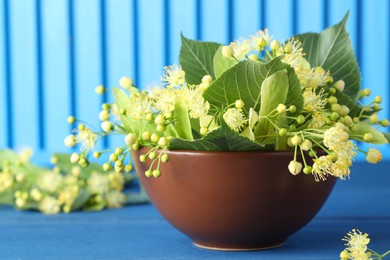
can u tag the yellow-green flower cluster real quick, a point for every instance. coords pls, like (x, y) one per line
(63, 188)
(357, 247)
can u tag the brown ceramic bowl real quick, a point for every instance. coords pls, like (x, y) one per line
(234, 200)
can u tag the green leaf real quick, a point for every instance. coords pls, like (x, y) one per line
(363, 128)
(242, 81)
(387, 135)
(221, 139)
(332, 50)
(196, 59)
(221, 64)
(182, 119)
(273, 92)
(294, 95)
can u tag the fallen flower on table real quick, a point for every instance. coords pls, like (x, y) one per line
(356, 247)
(63, 188)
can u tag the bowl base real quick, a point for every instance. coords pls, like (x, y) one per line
(218, 248)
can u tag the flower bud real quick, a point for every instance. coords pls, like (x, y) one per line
(130, 139)
(332, 100)
(275, 45)
(128, 168)
(373, 156)
(344, 110)
(99, 90)
(107, 167)
(339, 85)
(239, 104)
(126, 82)
(306, 145)
(155, 138)
(162, 141)
(159, 120)
(295, 167)
(296, 140)
(156, 173)
(292, 109)
(104, 115)
(74, 157)
(367, 137)
(70, 141)
(146, 136)
(107, 126)
(374, 119)
(227, 51)
(207, 79)
(71, 119)
(300, 119)
(281, 108)
(378, 99)
(148, 173)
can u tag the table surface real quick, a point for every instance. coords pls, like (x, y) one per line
(139, 232)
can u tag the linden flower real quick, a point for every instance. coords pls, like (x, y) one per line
(87, 137)
(234, 118)
(98, 183)
(6, 181)
(241, 48)
(293, 53)
(139, 106)
(357, 245)
(340, 169)
(373, 156)
(335, 137)
(318, 121)
(165, 100)
(49, 205)
(50, 181)
(173, 76)
(261, 39)
(115, 199)
(312, 101)
(197, 106)
(322, 167)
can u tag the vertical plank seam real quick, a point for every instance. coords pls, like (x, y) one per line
(72, 60)
(103, 57)
(136, 41)
(325, 14)
(167, 32)
(294, 16)
(8, 77)
(230, 21)
(263, 14)
(198, 19)
(40, 83)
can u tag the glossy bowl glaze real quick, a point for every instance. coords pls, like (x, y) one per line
(234, 200)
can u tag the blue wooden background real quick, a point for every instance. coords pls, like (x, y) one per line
(53, 53)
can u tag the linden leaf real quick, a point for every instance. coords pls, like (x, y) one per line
(242, 81)
(196, 59)
(332, 50)
(221, 139)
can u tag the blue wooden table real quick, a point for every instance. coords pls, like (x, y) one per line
(140, 232)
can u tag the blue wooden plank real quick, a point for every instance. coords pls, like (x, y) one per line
(120, 47)
(183, 18)
(279, 19)
(309, 16)
(3, 82)
(87, 51)
(55, 45)
(24, 69)
(151, 41)
(246, 18)
(215, 21)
